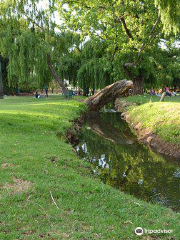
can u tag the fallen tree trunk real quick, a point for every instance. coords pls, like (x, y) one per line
(107, 94)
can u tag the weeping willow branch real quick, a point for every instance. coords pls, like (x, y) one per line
(49, 62)
(169, 14)
(33, 22)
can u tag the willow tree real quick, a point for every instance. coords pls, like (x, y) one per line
(32, 41)
(87, 65)
(131, 29)
(169, 14)
(36, 45)
(168, 67)
(95, 68)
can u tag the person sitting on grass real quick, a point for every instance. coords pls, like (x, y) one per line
(152, 92)
(167, 91)
(174, 93)
(37, 95)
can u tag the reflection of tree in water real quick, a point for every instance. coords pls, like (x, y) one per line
(122, 162)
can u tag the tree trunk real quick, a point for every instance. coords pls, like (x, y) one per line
(107, 94)
(138, 85)
(137, 80)
(1, 83)
(56, 77)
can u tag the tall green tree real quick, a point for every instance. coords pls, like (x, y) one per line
(32, 41)
(40, 47)
(95, 67)
(131, 30)
(169, 65)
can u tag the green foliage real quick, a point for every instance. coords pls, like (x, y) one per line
(131, 32)
(169, 11)
(95, 70)
(118, 32)
(27, 59)
(28, 35)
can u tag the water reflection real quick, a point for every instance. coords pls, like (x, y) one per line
(120, 161)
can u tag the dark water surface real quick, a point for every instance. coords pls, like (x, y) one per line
(122, 162)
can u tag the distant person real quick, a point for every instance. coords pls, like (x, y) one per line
(79, 93)
(17, 91)
(174, 93)
(93, 91)
(152, 92)
(86, 92)
(167, 91)
(37, 95)
(46, 90)
(130, 92)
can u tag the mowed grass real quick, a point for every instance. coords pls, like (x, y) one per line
(146, 98)
(46, 192)
(163, 118)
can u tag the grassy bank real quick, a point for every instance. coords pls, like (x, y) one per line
(46, 192)
(163, 118)
(141, 99)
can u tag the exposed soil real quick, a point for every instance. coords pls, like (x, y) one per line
(153, 141)
(18, 186)
(5, 166)
(72, 133)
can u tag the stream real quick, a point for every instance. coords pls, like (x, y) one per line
(119, 160)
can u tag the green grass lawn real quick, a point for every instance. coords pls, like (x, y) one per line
(141, 99)
(163, 118)
(46, 192)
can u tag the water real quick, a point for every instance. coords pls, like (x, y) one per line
(122, 162)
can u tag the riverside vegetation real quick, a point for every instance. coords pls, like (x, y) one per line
(161, 117)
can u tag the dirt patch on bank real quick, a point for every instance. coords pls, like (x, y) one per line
(150, 139)
(71, 134)
(18, 186)
(5, 166)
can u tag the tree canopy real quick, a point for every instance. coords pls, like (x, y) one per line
(92, 43)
